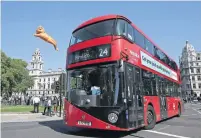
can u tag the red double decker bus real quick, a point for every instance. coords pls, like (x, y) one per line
(118, 79)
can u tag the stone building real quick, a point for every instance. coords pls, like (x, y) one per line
(190, 65)
(44, 81)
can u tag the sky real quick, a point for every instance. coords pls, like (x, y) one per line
(168, 24)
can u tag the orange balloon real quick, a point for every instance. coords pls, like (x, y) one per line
(40, 32)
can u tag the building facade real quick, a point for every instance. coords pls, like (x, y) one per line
(44, 81)
(190, 65)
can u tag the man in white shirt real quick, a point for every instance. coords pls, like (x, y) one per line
(36, 101)
(49, 106)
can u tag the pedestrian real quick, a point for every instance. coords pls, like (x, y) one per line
(55, 104)
(45, 105)
(36, 102)
(43, 99)
(49, 106)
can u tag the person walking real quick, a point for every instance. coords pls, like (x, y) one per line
(36, 101)
(49, 106)
(55, 104)
(45, 105)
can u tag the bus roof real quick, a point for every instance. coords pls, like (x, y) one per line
(112, 16)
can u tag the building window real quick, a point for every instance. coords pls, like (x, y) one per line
(44, 79)
(39, 58)
(194, 86)
(48, 86)
(197, 64)
(44, 86)
(199, 78)
(199, 85)
(54, 79)
(39, 92)
(48, 79)
(47, 92)
(192, 70)
(198, 58)
(198, 70)
(39, 80)
(191, 64)
(193, 78)
(32, 72)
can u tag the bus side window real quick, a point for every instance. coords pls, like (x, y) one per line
(164, 87)
(154, 85)
(139, 38)
(146, 79)
(130, 32)
(149, 46)
(159, 85)
(174, 90)
(169, 88)
(121, 27)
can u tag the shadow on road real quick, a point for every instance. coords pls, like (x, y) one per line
(58, 126)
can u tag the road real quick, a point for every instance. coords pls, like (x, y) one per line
(187, 126)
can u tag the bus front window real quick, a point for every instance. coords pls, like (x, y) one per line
(92, 31)
(94, 81)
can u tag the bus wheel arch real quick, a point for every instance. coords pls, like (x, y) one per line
(150, 117)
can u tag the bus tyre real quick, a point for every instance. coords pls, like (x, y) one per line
(179, 111)
(151, 118)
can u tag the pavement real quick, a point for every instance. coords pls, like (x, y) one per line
(186, 126)
(27, 118)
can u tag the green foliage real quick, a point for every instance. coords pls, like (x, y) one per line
(14, 75)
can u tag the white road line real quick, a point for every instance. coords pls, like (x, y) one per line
(163, 127)
(197, 111)
(166, 134)
(189, 115)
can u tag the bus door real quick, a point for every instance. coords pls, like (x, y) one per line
(134, 99)
(139, 97)
(163, 99)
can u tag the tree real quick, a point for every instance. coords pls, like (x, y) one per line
(14, 75)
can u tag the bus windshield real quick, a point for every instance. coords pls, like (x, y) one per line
(94, 81)
(95, 30)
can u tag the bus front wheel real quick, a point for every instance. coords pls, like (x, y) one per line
(151, 118)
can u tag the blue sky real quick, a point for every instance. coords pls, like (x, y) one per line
(168, 24)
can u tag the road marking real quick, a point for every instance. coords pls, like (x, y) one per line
(189, 115)
(166, 134)
(163, 127)
(197, 111)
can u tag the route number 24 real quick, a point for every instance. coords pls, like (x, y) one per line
(103, 52)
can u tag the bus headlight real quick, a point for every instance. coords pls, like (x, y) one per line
(112, 117)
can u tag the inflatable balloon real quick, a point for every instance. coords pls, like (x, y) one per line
(40, 32)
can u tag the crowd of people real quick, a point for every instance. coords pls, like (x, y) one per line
(48, 102)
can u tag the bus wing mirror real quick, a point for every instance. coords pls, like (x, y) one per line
(120, 64)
